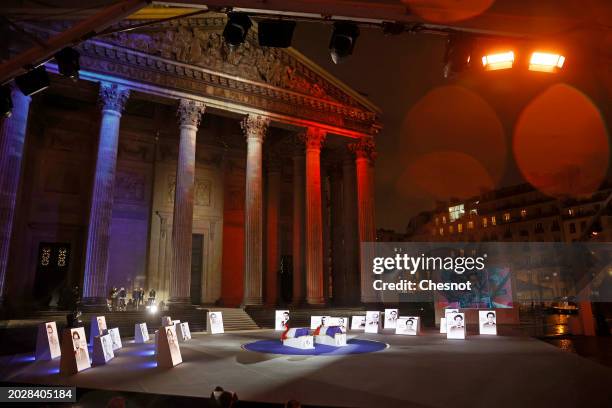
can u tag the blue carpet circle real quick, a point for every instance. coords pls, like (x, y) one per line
(354, 346)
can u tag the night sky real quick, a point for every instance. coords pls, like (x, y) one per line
(445, 138)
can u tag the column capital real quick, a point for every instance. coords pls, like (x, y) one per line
(255, 126)
(113, 97)
(364, 148)
(314, 138)
(190, 112)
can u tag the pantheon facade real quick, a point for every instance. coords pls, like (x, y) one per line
(211, 175)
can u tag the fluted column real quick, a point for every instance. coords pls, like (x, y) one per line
(364, 151)
(314, 218)
(299, 183)
(272, 228)
(349, 225)
(112, 100)
(189, 115)
(12, 139)
(255, 128)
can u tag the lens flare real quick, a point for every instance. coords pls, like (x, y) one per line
(560, 143)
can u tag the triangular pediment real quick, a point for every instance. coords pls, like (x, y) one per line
(199, 42)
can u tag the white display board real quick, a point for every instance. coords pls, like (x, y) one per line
(168, 350)
(341, 322)
(215, 322)
(372, 322)
(391, 316)
(316, 321)
(407, 325)
(281, 320)
(455, 325)
(443, 325)
(184, 332)
(166, 321)
(358, 323)
(141, 333)
(97, 327)
(115, 338)
(103, 350)
(47, 342)
(487, 322)
(75, 356)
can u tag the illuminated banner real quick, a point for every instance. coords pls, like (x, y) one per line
(486, 275)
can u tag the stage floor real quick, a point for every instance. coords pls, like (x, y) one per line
(423, 371)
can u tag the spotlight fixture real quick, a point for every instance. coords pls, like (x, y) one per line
(458, 55)
(34, 81)
(236, 29)
(6, 102)
(68, 62)
(275, 33)
(502, 60)
(343, 41)
(546, 62)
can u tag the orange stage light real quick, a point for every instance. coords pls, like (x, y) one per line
(502, 60)
(546, 62)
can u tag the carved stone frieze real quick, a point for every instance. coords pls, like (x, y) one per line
(130, 186)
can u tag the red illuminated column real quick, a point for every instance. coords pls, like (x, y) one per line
(299, 183)
(189, 115)
(255, 128)
(12, 139)
(364, 151)
(314, 219)
(272, 235)
(112, 99)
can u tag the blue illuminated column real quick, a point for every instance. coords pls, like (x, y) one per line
(112, 100)
(12, 138)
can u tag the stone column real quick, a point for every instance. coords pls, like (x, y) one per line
(314, 219)
(272, 228)
(255, 128)
(12, 140)
(364, 156)
(112, 99)
(299, 183)
(189, 115)
(350, 231)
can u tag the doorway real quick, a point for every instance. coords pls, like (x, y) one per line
(197, 266)
(51, 273)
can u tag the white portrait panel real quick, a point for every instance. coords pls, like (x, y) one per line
(391, 316)
(358, 323)
(52, 340)
(372, 321)
(281, 320)
(455, 326)
(173, 345)
(215, 322)
(115, 338)
(185, 331)
(79, 346)
(487, 322)
(316, 321)
(407, 326)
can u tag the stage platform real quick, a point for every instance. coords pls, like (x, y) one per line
(423, 371)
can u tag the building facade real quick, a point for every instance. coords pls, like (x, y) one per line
(208, 174)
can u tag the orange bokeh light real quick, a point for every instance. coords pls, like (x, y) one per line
(453, 118)
(446, 11)
(444, 175)
(560, 143)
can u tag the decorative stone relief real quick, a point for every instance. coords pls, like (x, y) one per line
(130, 186)
(202, 192)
